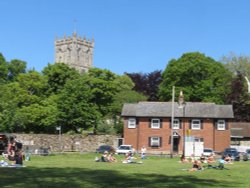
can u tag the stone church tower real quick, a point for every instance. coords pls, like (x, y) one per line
(75, 51)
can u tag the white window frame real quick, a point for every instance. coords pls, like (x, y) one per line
(155, 141)
(131, 123)
(194, 125)
(176, 124)
(221, 125)
(155, 125)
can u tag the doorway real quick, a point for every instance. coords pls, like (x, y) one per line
(120, 141)
(176, 141)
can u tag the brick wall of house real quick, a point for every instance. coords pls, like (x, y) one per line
(222, 139)
(146, 132)
(139, 136)
(130, 135)
(206, 133)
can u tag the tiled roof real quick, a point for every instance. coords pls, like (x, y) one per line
(164, 109)
(239, 129)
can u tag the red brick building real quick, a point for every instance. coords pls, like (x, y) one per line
(149, 124)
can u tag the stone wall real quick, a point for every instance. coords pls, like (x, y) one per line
(56, 143)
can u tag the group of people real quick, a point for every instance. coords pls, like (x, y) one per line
(106, 157)
(14, 152)
(198, 163)
(129, 157)
(206, 162)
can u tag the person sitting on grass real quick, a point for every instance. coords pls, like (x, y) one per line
(183, 159)
(111, 158)
(221, 164)
(129, 158)
(11, 149)
(210, 160)
(203, 158)
(228, 159)
(192, 158)
(104, 157)
(196, 166)
(19, 155)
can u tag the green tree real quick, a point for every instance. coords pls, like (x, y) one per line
(34, 85)
(16, 67)
(23, 102)
(125, 94)
(200, 77)
(57, 75)
(104, 87)
(38, 117)
(10, 98)
(3, 69)
(77, 111)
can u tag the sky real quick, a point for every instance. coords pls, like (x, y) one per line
(130, 35)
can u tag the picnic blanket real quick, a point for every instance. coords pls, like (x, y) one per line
(5, 164)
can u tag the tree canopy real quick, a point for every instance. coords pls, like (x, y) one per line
(38, 102)
(239, 98)
(237, 64)
(201, 78)
(147, 84)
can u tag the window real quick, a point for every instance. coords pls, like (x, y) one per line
(176, 124)
(155, 123)
(155, 141)
(221, 125)
(196, 124)
(131, 123)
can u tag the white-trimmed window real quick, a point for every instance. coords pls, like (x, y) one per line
(155, 123)
(176, 124)
(221, 125)
(196, 124)
(131, 123)
(155, 141)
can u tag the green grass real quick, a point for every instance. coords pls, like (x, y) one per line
(80, 170)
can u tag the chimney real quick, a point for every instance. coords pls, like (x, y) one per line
(181, 99)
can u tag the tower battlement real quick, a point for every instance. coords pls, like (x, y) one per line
(75, 51)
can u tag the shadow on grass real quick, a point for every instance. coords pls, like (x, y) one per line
(80, 177)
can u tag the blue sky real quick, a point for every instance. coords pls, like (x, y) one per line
(130, 35)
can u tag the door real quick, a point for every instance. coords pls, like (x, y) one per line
(176, 144)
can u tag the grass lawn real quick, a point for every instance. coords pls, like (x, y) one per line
(80, 170)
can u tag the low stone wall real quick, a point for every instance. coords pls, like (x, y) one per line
(56, 143)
